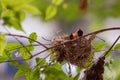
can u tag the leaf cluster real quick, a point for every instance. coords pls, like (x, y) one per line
(13, 12)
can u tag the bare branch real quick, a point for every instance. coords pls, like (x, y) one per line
(111, 46)
(102, 30)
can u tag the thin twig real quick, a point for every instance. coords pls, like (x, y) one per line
(111, 46)
(102, 30)
(100, 38)
(69, 73)
(27, 38)
(46, 39)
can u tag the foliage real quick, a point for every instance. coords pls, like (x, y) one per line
(112, 70)
(13, 12)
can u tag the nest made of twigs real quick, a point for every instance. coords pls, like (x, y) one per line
(76, 51)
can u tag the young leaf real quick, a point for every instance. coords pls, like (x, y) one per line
(53, 70)
(25, 53)
(50, 12)
(15, 23)
(2, 58)
(19, 73)
(57, 2)
(32, 36)
(34, 74)
(12, 46)
(23, 69)
(30, 48)
(0, 9)
(117, 46)
(31, 9)
(7, 14)
(40, 61)
(2, 43)
(99, 46)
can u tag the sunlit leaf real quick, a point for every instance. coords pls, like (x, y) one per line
(32, 36)
(0, 9)
(19, 73)
(12, 46)
(31, 9)
(2, 59)
(30, 48)
(33, 74)
(7, 14)
(2, 43)
(22, 70)
(25, 53)
(53, 70)
(57, 2)
(100, 46)
(50, 12)
(40, 61)
(117, 46)
(16, 24)
(50, 51)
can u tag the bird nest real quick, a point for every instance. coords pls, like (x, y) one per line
(75, 49)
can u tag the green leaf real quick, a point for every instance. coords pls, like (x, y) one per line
(100, 45)
(117, 46)
(14, 63)
(30, 48)
(32, 36)
(2, 43)
(34, 74)
(2, 58)
(25, 53)
(50, 12)
(23, 69)
(40, 61)
(31, 9)
(19, 73)
(7, 14)
(15, 23)
(53, 70)
(12, 46)
(20, 15)
(57, 2)
(0, 9)
(77, 76)
(78, 69)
